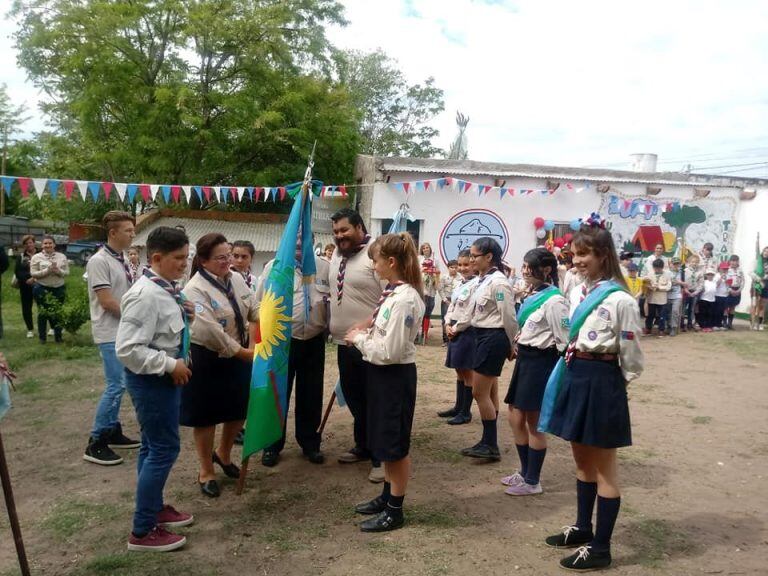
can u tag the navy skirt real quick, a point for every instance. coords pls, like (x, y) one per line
(391, 399)
(764, 291)
(732, 301)
(529, 378)
(592, 407)
(491, 351)
(461, 351)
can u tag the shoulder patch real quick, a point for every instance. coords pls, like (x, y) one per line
(499, 296)
(199, 308)
(592, 335)
(215, 305)
(386, 313)
(604, 313)
(565, 322)
(627, 335)
(409, 321)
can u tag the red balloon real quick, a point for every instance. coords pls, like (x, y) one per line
(538, 222)
(568, 237)
(559, 242)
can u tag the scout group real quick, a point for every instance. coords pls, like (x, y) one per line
(184, 356)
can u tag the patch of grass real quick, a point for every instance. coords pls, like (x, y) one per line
(445, 454)
(421, 440)
(71, 516)
(750, 346)
(30, 386)
(385, 547)
(655, 540)
(437, 516)
(283, 538)
(131, 564)
(701, 419)
(635, 454)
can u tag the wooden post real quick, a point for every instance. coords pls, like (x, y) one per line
(12, 516)
(327, 413)
(243, 474)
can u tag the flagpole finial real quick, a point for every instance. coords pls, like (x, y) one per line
(310, 165)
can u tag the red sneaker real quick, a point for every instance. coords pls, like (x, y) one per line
(158, 540)
(169, 517)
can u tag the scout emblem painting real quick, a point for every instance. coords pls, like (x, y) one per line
(467, 226)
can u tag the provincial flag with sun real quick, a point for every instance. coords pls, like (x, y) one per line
(269, 379)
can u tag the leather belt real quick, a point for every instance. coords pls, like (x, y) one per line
(596, 356)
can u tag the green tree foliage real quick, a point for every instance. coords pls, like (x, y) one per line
(191, 92)
(394, 116)
(11, 115)
(682, 218)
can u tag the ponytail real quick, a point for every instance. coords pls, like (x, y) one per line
(538, 259)
(400, 247)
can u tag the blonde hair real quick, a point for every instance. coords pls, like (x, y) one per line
(426, 245)
(402, 249)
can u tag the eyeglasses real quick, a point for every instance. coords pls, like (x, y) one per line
(475, 256)
(222, 258)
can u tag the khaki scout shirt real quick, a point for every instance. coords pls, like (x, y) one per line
(391, 338)
(493, 305)
(459, 314)
(150, 329)
(658, 287)
(40, 269)
(304, 326)
(215, 326)
(614, 328)
(105, 272)
(362, 290)
(447, 285)
(548, 326)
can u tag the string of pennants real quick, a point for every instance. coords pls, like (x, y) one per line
(464, 187)
(169, 192)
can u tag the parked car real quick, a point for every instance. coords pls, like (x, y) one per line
(81, 251)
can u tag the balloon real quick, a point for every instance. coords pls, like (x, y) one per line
(538, 222)
(568, 237)
(559, 242)
(549, 225)
(541, 233)
(575, 225)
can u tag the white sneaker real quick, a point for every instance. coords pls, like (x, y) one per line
(514, 480)
(50, 331)
(524, 489)
(30, 334)
(761, 327)
(377, 474)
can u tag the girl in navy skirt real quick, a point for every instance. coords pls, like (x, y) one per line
(543, 336)
(495, 327)
(390, 355)
(591, 410)
(461, 340)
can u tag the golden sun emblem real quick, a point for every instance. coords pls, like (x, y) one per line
(274, 324)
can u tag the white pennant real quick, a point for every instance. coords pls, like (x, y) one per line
(39, 186)
(82, 185)
(240, 192)
(153, 188)
(187, 192)
(120, 189)
(217, 192)
(266, 193)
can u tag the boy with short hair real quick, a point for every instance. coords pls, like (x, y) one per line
(152, 343)
(734, 279)
(445, 287)
(658, 285)
(675, 297)
(707, 300)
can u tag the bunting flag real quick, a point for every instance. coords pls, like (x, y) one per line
(462, 187)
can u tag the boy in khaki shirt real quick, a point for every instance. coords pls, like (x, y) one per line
(658, 284)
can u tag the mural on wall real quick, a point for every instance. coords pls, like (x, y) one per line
(463, 228)
(638, 224)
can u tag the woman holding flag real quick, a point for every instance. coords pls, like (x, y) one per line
(543, 335)
(586, 397)
(760, 289)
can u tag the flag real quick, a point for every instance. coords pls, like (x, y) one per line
(759, 265)
(269, 378)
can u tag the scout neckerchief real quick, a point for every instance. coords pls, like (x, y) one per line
(174, 290)
(247, 276)
(120, 258)
(343, 267)
(481, 282)
(457, 289)
(388, 291)
(535, 301)
(229, 291)
(591, 299)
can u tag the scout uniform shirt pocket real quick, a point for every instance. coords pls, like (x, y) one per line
(175, 323)
(598, 329)
(223, 314)
(534, 320)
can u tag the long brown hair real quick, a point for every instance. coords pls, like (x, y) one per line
(600, 242)
(402, 249)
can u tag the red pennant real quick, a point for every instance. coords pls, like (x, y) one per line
(448, 181)
(281, 191)
(467, 186)
(406, 186)
(207, 193)
(343, 190)
(107, 188)
(511, 191)
(146, 192)
(235, 197)
(257, 194)
(24, 185)
(176, 193)
(69, 185)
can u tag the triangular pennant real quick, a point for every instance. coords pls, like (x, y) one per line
(502, 191)
(146, 192)
(273, 193)
(441, 182)
(237, 193)
(199, 191)
(130, 191)
(224, 193)
(39, 186)
(93, 188)
(343, 190)
(447, 181)
(256, 194)
(69, 185)
(282, 193)
(406, 187)
(166, 192)
(187, 192)
(24, 185)
(419, 185)
(176, 193)
(120, 190)
(53, 187)
(7, 184)
(82, 186)
(466, 186)
(207, 193)
(511, 191)
(399, 186)
(107, 187)
(153, 188)
(248, 190)
(266, 193)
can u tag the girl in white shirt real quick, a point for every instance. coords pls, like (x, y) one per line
(388, 349)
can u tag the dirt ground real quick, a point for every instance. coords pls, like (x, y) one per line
(694, 498)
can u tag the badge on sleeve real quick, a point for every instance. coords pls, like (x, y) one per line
(409, 321)
(627, 335)
(215, 305)
(592, 335)
(386, 313)
(499, 296)
(565, 323)
(604, 313)
(199, 308)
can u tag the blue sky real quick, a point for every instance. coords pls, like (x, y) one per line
(572, 83)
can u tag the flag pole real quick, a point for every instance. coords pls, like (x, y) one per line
(13, 517)
(306, 189)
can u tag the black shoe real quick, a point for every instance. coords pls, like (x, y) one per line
(118, 440)
(209, 488)
(230, 470)
(484, 451)
(270, 458)
(314, 456)
(375, 506)
(448, 413)
(570, 537)
(384, 522)
(466, 451)
(460, 419)
(585, 560)
(240, 438)
(99, 452)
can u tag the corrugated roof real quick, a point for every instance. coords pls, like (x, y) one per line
(265, 236)
(474, 168)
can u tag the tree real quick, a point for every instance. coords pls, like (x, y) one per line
(11, 119)
(394, 116)
(191, 91)
(683, 217)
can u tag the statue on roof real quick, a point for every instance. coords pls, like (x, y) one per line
(458, 150)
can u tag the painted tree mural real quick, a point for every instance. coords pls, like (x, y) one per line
(683, 217)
